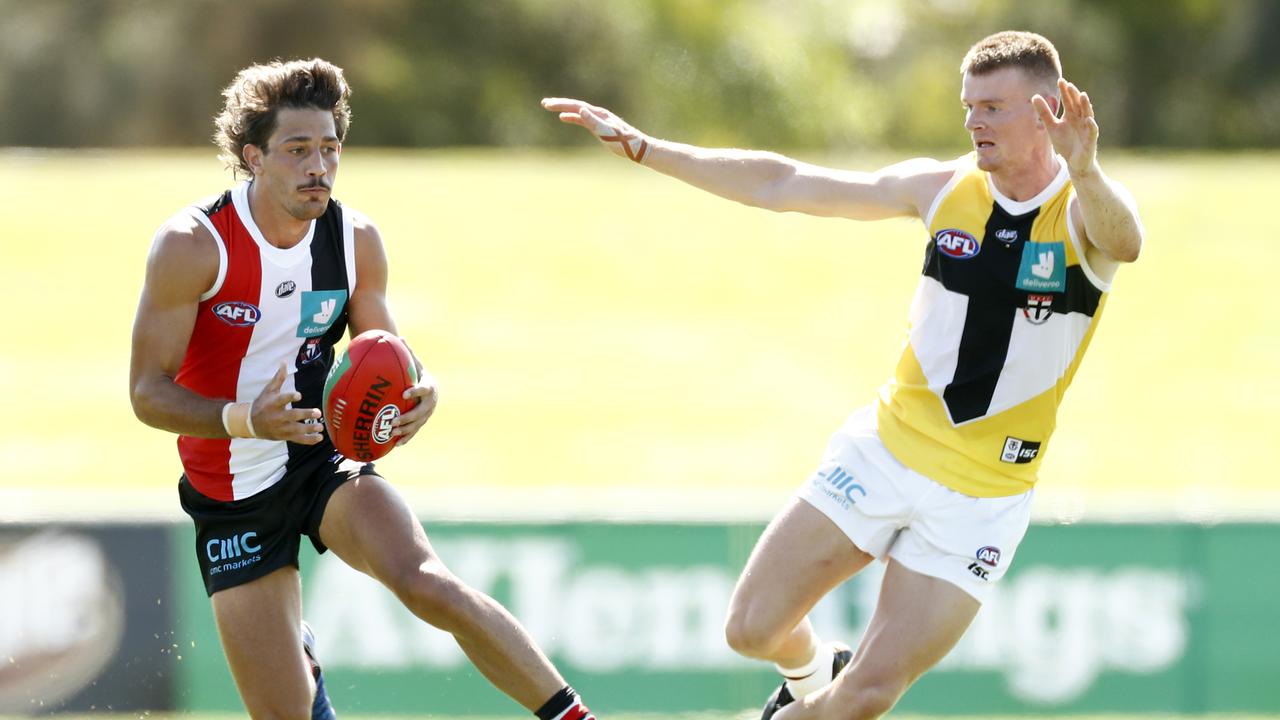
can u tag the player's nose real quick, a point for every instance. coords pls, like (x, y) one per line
(316, 164)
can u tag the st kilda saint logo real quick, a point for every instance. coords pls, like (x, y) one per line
(1039, 309)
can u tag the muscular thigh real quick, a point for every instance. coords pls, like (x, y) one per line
(259, 623)
(799, 558)
(372, 528)
(918, 619)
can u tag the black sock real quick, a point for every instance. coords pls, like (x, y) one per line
(564, 705)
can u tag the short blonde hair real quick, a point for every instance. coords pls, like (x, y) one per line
(257, 94)
(1031, 53)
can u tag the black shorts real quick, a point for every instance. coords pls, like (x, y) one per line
(243, 540)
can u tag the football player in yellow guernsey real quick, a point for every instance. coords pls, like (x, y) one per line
(1024, 236)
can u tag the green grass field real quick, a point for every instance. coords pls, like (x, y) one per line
(601, 331)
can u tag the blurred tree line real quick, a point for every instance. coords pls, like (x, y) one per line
(836, 74)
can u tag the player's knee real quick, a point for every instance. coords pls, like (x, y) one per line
(748, 636)
(433, 594)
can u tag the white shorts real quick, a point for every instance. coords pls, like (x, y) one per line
(889, 510)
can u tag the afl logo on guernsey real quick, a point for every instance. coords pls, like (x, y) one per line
(237, 313)
(957, 243)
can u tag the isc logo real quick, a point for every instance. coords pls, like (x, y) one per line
(957, 243)
(1019, 451)
(237, 313)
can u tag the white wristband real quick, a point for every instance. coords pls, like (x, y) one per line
(226, 425)
(237, 420)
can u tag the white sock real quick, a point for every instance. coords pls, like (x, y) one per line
(813, 675)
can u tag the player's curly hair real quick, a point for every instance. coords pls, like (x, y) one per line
(1033, 53)
(257, 93)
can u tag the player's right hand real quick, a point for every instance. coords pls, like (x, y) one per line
(273, 419)
(621, 139)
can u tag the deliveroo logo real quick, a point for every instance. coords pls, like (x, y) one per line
(319, 309)
(1044, 267)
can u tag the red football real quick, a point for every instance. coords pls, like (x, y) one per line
(364, 393)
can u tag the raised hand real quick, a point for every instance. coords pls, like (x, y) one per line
(273, 419)
(1075, 136)
(621, 139)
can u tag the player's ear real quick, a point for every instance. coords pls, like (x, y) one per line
(252, 155)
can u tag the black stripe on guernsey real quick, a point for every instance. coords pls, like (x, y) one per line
(213, 205)
(1081, 296)
(328, 272)
(988, 279)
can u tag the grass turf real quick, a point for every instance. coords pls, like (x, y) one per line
(595, 326)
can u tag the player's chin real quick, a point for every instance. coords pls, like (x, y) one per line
(311, 208)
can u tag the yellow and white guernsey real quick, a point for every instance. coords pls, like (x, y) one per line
(1005, 309)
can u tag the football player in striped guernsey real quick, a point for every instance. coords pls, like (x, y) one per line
(244, 297)
(1023, 236)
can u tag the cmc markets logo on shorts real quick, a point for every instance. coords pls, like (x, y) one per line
(237, 313)
(382, 424)
(234, 547)
(838, 484)
(957, 243)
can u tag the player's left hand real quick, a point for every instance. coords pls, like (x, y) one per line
(1075, 135)
(408, 424)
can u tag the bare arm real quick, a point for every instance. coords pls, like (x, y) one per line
(1104, 209)
(369, 311)
(1108, 214)
(765, 179)
(183, 264)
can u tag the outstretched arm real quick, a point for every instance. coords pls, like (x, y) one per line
(765, 179)
(1103, 207)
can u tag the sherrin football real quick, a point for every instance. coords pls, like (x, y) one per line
(364, 393)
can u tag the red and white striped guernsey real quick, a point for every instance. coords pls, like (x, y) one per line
(266, 306)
